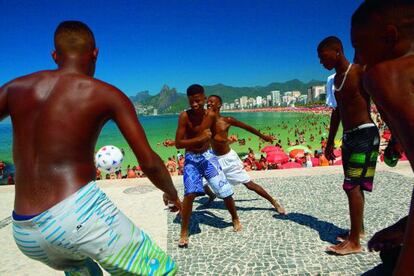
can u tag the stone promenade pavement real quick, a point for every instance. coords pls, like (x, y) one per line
(269, 244)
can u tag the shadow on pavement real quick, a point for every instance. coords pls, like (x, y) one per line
(327, 230)
(204, 217)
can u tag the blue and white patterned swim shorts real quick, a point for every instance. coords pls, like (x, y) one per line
(199, 165)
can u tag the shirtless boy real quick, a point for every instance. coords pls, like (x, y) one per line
(61, 217)
(193, 134)
(360, 138)
(383, 37)
(229, 160)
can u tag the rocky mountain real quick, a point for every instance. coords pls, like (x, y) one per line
(168, 100)
(140, 96)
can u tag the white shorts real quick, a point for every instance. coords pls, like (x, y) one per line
(233, 169)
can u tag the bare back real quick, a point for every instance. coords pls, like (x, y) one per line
(353, 102)
(57, 118)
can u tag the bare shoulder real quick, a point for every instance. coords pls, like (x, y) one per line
(29, 79)
(356, 72)
(377, 78)
(183, 116)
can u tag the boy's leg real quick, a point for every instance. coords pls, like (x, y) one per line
(211, 195)
(231, 206)
(263, 193)
(193, 186)
(356, 211)
(216, 178)
(185, 219)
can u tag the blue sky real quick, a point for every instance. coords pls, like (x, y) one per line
(145, 44)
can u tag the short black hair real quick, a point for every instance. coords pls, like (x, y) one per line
(399, 12)
(195, 89)
(331, 42)
(218, 97)
(73, 37)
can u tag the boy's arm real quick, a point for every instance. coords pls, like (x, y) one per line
(123, 113)
(4, 110)
(333, 129)
(249, 128)
(180, 135)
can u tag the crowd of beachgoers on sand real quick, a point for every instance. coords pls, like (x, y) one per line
(293, 153)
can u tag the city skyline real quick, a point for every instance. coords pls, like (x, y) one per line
(146, 44)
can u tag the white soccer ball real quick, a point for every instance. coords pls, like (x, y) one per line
(109, 159)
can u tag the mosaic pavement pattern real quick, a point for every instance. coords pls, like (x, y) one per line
(271, 244)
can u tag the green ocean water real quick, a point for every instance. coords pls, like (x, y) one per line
(159, 128)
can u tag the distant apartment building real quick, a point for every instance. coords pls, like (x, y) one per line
(232, 106)
(316, 93)
(288, 93)
(296, 94)
(243, 102)
(275, 97)
(259, 101)
(302, 99)
(251, 102)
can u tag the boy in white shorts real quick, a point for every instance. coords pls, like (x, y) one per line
(229, 161)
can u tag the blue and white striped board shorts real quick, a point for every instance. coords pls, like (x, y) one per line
(87, 226)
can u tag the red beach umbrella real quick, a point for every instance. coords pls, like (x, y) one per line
(277, 157)
(271, 148)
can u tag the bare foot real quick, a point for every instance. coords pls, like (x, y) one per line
(343, 237)
(183, 242)
(344, 248)
(279, 208)
(237, 227)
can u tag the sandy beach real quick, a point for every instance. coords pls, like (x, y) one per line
(141, 201)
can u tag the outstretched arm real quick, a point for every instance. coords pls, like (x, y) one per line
(124, 115)
(4, 110)
(249, 128)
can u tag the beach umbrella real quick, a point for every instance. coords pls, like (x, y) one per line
(271, 148)
(304, 148)
(291, 165)
(277, 157)
(297, 153)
